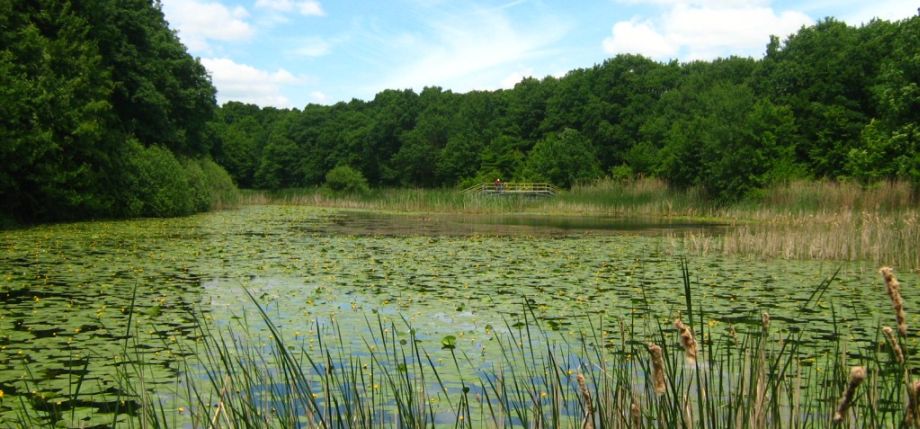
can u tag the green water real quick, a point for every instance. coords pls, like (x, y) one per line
(67, 289)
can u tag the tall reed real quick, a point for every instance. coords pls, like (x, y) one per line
(763, 377)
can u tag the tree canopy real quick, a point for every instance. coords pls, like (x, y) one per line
(103, 113)
(830, 101)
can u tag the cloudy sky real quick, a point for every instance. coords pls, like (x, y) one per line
(288, 53)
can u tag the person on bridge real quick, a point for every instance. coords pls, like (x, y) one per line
(499, 186)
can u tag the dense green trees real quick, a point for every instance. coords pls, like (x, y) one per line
(831, 101)
(102, 113)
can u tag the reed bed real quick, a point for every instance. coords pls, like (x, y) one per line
(798, 220)
(680, 376)
(844, 235)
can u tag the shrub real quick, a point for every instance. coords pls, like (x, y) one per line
(346, 179)
(161, 185)
(622, 173)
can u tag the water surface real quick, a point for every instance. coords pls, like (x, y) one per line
(68, 289)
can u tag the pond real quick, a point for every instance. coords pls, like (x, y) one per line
(68, 290)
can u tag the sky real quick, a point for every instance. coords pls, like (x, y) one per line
(290, 53)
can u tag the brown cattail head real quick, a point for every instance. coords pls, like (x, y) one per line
(686, 340)
(893, 341)
(588, 421)
(765, 321)
(857, 375)
(636, 415)
(894, 292)
(657, 369)
(913, 404)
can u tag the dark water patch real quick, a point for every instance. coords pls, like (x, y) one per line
(450, 225)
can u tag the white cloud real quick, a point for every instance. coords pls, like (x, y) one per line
(312, 47)
(199, 22)
(891, 10)
(639, 37)
(692, 32)
(241, 82)
(515, 77)
(319, 97)
(304, 7)
(478, 50)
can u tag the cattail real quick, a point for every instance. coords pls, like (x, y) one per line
(588, 421)
(913, 401)
(733, 333)
(636, 415)
(857, 375)
(686, 340)
(894, 292)
(657, 369)
(765, 321)
(895, 347)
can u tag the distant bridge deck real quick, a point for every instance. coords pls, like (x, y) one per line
(514, 189)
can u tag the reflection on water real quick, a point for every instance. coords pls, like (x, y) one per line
(373, 223)
(68, 289)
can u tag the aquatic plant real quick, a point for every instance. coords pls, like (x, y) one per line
(235, 377)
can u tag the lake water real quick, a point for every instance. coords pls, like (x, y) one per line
(68, 289)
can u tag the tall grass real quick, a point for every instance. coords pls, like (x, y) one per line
(755, 377)
(644, 196)
(804, 220)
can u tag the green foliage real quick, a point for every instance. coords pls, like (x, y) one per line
(562, 159)
(158, 184)
(77, 81)
(622, 173)
(830, 101)
(346, 180)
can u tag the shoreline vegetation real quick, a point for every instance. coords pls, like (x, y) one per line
(680, 372)
(105, 114)
(804, 219)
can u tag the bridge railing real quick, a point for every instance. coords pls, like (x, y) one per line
(514, 188)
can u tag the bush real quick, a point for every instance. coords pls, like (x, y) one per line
(222, 191)
(161, 185)
(347, 180)
(622, 173)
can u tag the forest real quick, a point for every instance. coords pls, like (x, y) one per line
(104, 114)
(830, 102)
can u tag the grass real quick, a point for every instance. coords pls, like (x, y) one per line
(803, 220)
(605, 197)
(757, 376)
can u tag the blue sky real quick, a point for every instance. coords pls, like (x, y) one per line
(288, 53)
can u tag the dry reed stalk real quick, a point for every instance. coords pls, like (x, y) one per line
(657, 369)
(636, 415)
(912, 417)
(894, 292)
(893, 341)
(686, 340)
(758, 416)
(588, 421)
(857, 376)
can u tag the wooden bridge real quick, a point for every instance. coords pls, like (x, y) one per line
(513, 188)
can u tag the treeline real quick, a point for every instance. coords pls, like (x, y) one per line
(832, 101)
(103, 113)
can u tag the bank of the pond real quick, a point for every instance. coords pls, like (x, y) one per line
(801, 220)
